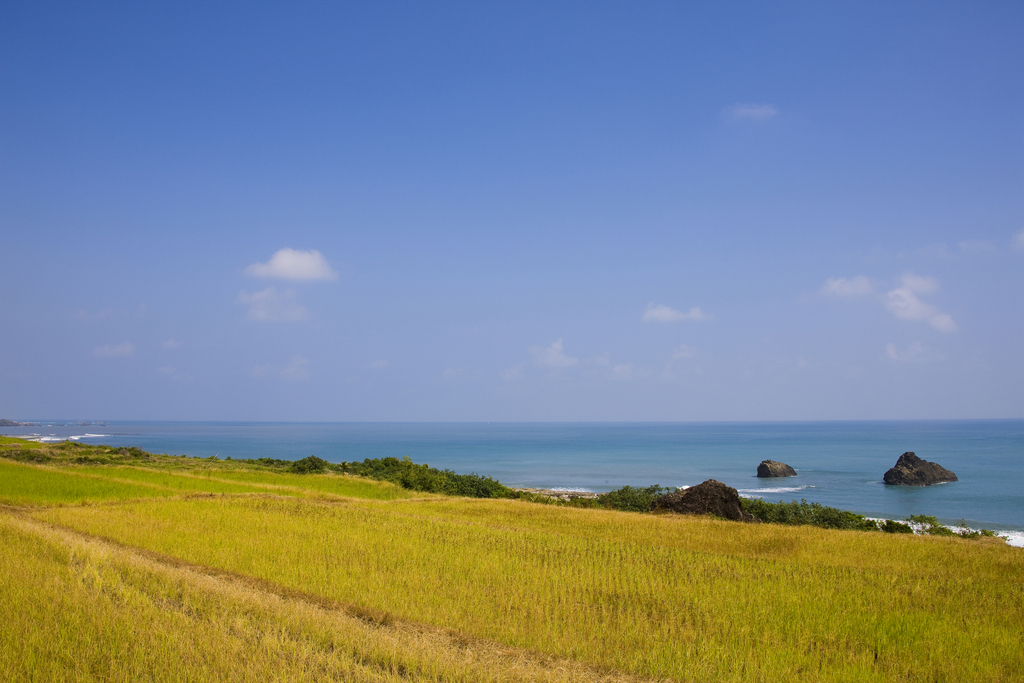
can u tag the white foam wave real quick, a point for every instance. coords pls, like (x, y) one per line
(777, 489)
(53, 438)
(1014, 538)
(570, 489)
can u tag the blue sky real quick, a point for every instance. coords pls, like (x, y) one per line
(512, 211)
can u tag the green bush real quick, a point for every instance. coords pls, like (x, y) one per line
(309, 465)
(893, 527)
(25, 455)
(804, 513)
(409, 475)
(930, 525)
(271, 462)
(630, 499)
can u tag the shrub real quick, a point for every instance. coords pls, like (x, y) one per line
(963, 531)
(930, 525)
(309, 465)
(271, 462)
(893, 527)
(804, 513)
(409, 475)
(630, 499)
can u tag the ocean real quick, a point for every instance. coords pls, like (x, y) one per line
(839, 464)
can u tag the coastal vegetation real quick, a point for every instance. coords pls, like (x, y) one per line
(173, 568)
(804, 513)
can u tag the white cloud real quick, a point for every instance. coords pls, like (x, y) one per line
(453, 374)
(173, 374)
(904, 303)
(379, 364)
(1018, 240)
(752, 112)
(552, 356)
(920, 284)
(171, 344)
(87, 315)
(976, 245)
(270, 305)
(915, 353)
(682, 352)
(291, 264)
(114, 350)
(295, 370)
(681, 356)
(262, 370)
(943, 322)
(665, 314)
(856, 286)
(628, 371)
(939, 250)
(512, 374)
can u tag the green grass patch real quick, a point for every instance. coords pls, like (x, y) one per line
(332, 484)
(23, 443)
(174, 481)
(34, 486)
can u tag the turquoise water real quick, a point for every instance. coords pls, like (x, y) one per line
(838, 463)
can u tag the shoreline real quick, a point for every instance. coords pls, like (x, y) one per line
(837, 493)
(1012, 537)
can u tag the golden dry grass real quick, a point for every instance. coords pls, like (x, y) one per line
(79, 609)
(376, 585)
(664, 597)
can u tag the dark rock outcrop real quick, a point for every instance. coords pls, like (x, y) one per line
(911, 470)
(711, 497)
(771, 468)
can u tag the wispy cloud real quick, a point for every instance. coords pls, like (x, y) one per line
(452, 374)
(174, 375)
(665, 314)
(270, 305)
(512, 374)
(262, 370)
(83, 314)
(114, 350)
(904, 303)
(849, 288)
(752, 112)
(291, 264)
(171, 344)
(552, 356)
(1018, 240)
(976, 246)
(296, 369)
(682, 356)
(682, 352)
(627, 371)
(379, 364)
(915, 353)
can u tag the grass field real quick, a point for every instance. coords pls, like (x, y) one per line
(438, 588)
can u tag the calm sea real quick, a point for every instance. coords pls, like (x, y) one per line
(838, 463)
